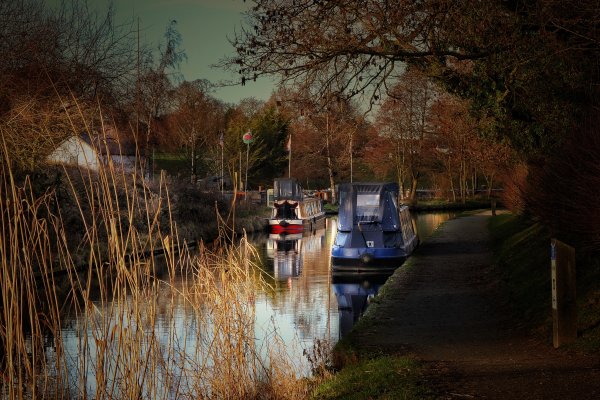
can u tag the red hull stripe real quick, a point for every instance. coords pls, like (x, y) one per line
(286, 229)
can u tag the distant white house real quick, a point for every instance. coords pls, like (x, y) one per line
(83, 151)
(76, 150)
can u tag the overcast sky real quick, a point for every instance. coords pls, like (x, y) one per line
(204, 26)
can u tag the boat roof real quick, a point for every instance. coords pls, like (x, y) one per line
(368, 202)
(370, 187)
(287, 189)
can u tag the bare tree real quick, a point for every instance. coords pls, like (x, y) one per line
(404, 119)
(57, 64)
(353, 47)
(326, 136)
(196, 121)
(156, 87)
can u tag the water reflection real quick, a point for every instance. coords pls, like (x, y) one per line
(287, 252)
(302, 304)
(427, 222)
(353, 293)
(308, 303)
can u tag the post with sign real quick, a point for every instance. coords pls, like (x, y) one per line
(564, 307)
(247, 138)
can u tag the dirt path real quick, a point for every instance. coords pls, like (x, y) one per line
(450, 309)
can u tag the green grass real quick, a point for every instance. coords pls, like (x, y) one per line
(386, 377)
(331, 208)
(522, 252)
(439, 204)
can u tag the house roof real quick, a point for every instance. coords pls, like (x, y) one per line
(108, 143)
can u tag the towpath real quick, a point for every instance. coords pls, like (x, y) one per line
(450, 309)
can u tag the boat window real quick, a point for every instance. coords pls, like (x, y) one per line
(367, 205)
(341, 238)
(394, 200)
(342, 197)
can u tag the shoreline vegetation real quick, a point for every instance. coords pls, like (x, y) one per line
(108, 223)
(520, 250)
(101, 232)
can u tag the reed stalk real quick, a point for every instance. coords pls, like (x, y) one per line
(100, 317)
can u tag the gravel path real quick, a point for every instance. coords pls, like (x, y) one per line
(449, 308)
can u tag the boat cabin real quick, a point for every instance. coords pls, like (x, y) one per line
(372, 228)
(292, 211)
(287, 189)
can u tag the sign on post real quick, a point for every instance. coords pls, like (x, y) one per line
(564, 300)
(247, 137)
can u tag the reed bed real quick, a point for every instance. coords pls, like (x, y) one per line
(126, 335)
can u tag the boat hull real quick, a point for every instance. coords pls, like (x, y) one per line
(286, 226)
(367, 259)
(279, 226)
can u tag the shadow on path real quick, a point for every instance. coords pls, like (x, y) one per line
(449, 307)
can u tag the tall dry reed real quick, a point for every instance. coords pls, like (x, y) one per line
(126, 337)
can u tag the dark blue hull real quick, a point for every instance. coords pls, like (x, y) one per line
(368, 259)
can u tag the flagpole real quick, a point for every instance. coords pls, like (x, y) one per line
(246, 138)
(246, 182)
(222, 171)
(290, 156)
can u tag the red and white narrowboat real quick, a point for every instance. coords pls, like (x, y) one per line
(292, 211)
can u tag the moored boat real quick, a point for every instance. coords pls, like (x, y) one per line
(293, 212)
(373, 231)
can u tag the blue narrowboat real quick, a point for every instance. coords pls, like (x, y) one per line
(373, 232)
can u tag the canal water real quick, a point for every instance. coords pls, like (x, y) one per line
(309, 303)
(304, 305)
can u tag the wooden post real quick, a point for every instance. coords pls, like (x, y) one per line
(494, 207)
(564, 305)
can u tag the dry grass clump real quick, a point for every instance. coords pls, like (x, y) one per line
(125, 336)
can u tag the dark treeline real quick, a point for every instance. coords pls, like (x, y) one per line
(526, 71)
(464, 96)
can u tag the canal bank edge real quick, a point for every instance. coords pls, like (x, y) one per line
(509, 234)
(366, 373)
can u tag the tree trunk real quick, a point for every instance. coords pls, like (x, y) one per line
(474, 182)
(146, 167)
(463, 181)
(489, 180)
(413, 188)
(329, 163)
(193, 167)
(452, 185)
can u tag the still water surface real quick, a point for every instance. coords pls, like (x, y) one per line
(307, 303)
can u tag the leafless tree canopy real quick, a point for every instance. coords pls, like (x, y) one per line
(356, 46)
(69, 46)
(532, 66)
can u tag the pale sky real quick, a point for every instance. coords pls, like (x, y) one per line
(204, 26)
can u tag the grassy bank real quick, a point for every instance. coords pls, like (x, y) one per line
(385, 377)
(368, 374)
(522, 252)
(442, 205)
